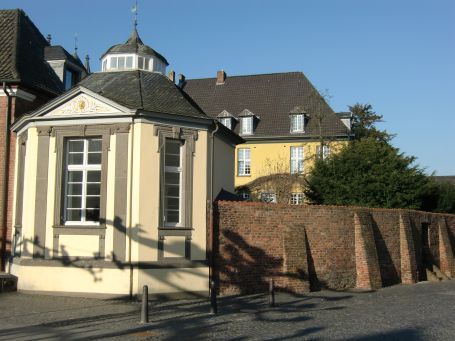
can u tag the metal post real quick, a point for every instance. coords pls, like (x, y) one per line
(145, 305)
(271, 293)
(213, 305)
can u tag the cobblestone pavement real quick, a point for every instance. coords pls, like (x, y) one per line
(424, 311)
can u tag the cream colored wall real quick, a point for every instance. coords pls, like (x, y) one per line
(110, 196)
(270, 158)
(224, 158)
(200, 175)
(174, 280)
(72, 279)
(51, 174)
(143, 159)
(28, 215)
(147, 194)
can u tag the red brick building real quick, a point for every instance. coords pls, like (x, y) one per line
(31, 73)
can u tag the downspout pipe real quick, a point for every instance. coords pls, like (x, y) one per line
(6, 162)
(212, 237)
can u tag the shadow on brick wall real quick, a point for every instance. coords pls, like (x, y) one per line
(388, 270)
(244, 268)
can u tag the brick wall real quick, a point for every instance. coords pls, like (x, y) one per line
(309, 247)
(19, 107)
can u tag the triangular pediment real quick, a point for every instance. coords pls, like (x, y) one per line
(80, 102)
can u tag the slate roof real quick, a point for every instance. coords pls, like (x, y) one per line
(57, 52)
(22, 53)
(134, 44)
(143, 90)
(444, 178)
(271, 97)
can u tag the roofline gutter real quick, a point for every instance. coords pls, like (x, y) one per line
(266, 139)
(6, 162)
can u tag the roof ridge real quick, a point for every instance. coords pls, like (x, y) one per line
(252, 75)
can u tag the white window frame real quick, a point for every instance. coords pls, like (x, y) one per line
(297, 123)
(84, 167)
(297, 159)
(178, 170)
(325, 151)
(297, 198)
(246, 125)
(226, 121)
(244, 159)
(268, 197)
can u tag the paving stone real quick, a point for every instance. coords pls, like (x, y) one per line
(419, 312)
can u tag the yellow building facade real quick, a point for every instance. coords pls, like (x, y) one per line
(284, 122)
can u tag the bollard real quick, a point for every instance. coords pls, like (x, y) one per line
(271, 293)
(145, 305)
(213, 305)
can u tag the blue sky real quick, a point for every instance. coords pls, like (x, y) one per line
(397, 55)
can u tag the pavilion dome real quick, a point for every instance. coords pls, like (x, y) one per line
(133, 54)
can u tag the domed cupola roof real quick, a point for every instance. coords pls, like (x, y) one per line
(135, 45)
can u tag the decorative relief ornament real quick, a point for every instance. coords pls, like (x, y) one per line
(83, 105)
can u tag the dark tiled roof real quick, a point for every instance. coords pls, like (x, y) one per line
(142, 90)
(57, 52)
(22, 53)
(134, 44)
(271, 97)
(445, 178)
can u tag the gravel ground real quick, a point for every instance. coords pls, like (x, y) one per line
(424, 311)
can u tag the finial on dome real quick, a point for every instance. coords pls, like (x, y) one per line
(75, 45)
(134, 10)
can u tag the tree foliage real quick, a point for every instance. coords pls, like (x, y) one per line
(368, 172)
(364, 121)
(439, 197)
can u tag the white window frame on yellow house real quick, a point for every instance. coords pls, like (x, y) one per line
(268, 197)
(244, 162)
(325, 151)
(297, 198)
(297, 123)
(246, 125)
(297, 159)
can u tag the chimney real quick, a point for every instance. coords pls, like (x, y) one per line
(181, 81)
(49, 39)
(171, 76)
(220, 77)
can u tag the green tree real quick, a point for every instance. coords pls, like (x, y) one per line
(368, 172)
(364, 121)
(439, 197)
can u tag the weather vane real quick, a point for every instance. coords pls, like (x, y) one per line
(75, 43)
(134, 10)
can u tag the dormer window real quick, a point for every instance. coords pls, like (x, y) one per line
(227, 122)
(297, 117)
(297, 123)
(226, 119)
(247, 122)
(246, 125)
(71, 78)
